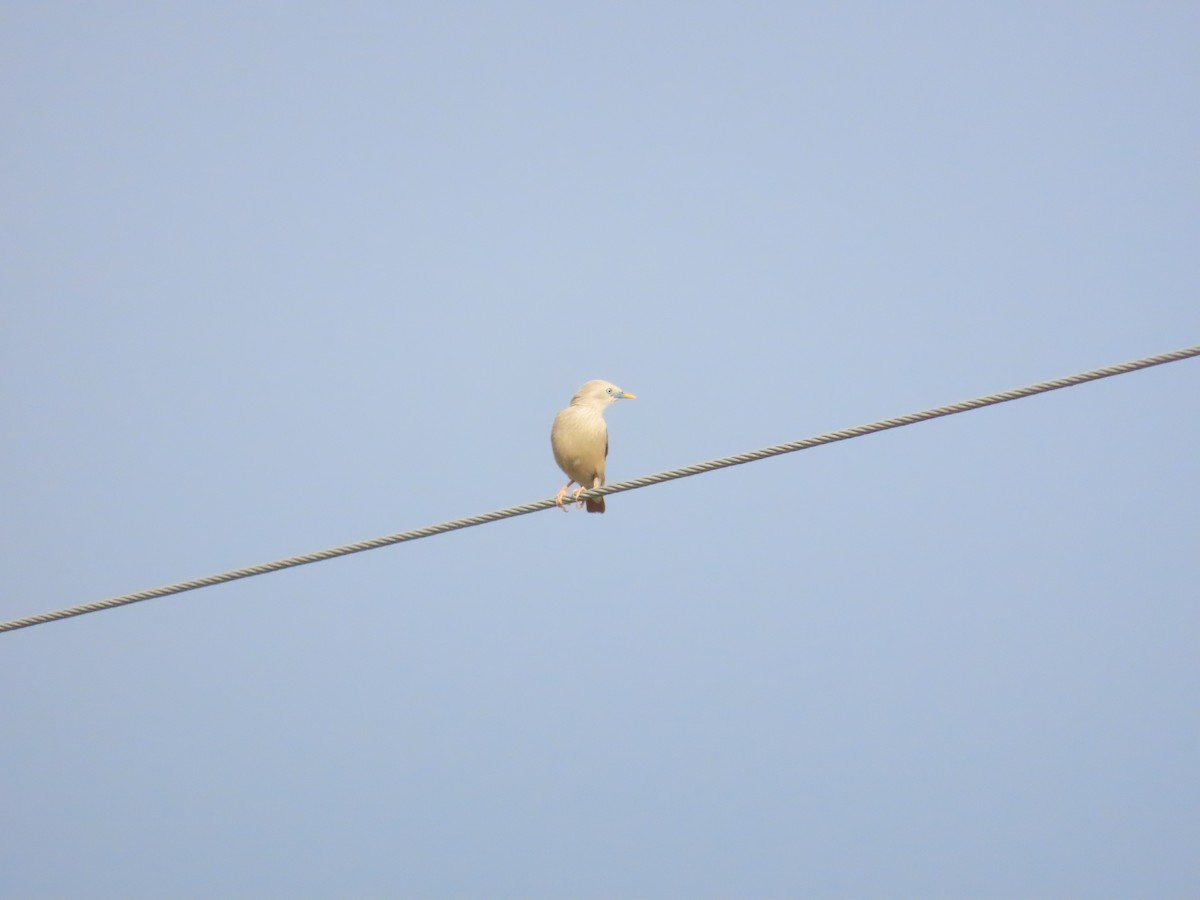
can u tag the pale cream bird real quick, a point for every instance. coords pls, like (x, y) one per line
(579, 439)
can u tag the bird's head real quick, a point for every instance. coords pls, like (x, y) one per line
(599, 395)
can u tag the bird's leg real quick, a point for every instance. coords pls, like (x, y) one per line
(578, 503)
(562, 492)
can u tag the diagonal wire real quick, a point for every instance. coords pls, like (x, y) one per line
(633, 484)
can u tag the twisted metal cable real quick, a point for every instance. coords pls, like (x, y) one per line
(616, 488)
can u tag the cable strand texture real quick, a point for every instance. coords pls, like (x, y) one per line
(616, 488)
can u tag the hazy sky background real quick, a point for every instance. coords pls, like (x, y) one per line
(277, 277)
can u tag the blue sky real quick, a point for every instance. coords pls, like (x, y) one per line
(277, 278)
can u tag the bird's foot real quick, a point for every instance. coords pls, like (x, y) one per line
(578, 502)
(562, 493)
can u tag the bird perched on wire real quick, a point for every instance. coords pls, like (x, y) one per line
(579, 439)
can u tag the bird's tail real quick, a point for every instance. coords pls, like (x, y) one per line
(596, 505)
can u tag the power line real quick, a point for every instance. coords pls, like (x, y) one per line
(634, 484)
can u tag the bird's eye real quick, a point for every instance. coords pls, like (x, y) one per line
(610, 390)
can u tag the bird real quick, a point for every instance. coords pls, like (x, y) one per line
(579, 439)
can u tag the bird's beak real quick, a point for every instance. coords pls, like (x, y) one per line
(625, 395)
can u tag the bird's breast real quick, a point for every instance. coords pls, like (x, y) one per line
(579, 439)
